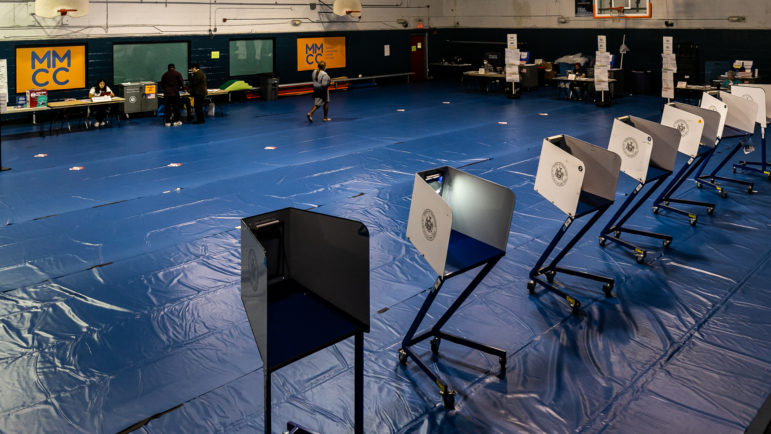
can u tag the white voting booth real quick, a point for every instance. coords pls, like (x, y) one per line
(457, 222)
(697, 128)
(304, 287)
(761, 95)
(739, 120)
(648, 151)
(578, 178)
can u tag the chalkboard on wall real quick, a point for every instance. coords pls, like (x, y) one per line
(250, 56)
(147, 61)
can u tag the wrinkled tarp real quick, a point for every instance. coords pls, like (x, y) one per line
(120, 282)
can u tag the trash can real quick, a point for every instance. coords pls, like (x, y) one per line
(268, 87)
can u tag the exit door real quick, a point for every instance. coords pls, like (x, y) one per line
(418, 56)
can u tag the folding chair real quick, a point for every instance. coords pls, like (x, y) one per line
(580, 179)
(458, 222)
(761, 95)
(739, 123)
(648, 151)
(698, 130)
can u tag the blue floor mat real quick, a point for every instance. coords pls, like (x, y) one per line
(119, 283)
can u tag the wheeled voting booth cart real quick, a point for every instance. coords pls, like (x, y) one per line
(648, 151)
(580, 179)
(305, 287)
(761, 95)
(457, 222)
(740, 119)
(698, 131)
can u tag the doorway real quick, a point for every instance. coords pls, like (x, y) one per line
(418, 56)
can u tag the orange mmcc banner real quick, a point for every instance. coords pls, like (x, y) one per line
(50, 68)
(310, 51)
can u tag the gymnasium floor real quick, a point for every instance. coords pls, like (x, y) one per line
(120, 282)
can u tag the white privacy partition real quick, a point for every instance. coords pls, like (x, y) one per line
(688, 124)
(709, 102)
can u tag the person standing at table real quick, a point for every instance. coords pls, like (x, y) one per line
(321, 82)
(172, 83)
(198, 91)
(100, 111)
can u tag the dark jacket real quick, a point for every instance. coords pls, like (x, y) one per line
(171, 83)
(198, 84)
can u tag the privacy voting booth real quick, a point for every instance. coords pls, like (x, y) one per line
(697, 130)
(761, 95)
(457, 222)
(648, 151)
(580, 179)
(305, 286)
(740, 117)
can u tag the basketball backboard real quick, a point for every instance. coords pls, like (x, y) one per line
(622, 9)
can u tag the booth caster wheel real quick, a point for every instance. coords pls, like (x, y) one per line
(435, 345)
(666, 202)
(655, 210)
(603, 241)
(751, 189)
(502, 364)
(692, 221)
(698, 185)
(402, 357)
(733, 169)
(575, 307)
(710, 210)
(448, 398)
(667, 243)
(607, 289)
(550, 276)
(639, 258)
(531, 286)
(724, 194)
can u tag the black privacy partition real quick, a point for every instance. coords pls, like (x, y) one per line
(458, 222)
(305, 286)
(580, 179)
(648, 151)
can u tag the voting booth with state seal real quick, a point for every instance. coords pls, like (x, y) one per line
(580, 179)
(458, 222)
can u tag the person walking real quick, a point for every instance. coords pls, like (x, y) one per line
(172, 83)
(198, 91)
(321, 82)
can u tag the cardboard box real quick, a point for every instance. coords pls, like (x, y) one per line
(37, 97)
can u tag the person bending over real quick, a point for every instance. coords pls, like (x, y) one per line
(321, 82)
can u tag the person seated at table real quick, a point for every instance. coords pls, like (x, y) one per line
(100, 111)
(577, 89)
(730, 79)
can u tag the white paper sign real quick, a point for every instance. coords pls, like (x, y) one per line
(669, 62)
(511, 40)
(601, 79)
(601, 43)
(386, 50)
(667, 84)
(633, 146)
(559, 178)
(667, 45)
(512, 64)
(3, 85)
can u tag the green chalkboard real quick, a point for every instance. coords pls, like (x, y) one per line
(147, 61)
(250, 56)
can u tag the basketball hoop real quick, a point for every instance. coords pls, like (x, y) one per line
(349, 12)
(63, 12)
(616, 12)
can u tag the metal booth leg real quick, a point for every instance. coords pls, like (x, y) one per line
(664, 199)
(551, 270)
(616, 223)
(266, 386)
(358, 388)
(765, 167)
(705, 179)
(448, 395)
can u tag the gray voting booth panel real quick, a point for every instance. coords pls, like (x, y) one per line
(712, 118)
(742, 113)
(327, 258)
(709, 102)
(446, 199)
(665, 142)
(757, 95)
(575, 175)
(767, 89)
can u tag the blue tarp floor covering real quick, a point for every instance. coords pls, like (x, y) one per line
(119, 283)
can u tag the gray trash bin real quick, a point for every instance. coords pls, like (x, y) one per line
(269, 87)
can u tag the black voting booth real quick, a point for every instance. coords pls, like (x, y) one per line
(457, 222)
(305, 286)
(648, 151)
(702, 129)
(580, 179)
